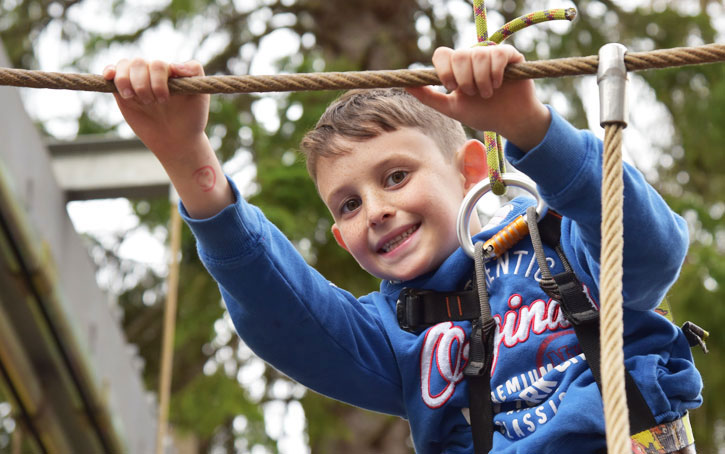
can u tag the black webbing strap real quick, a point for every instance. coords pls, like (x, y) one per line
(478, 376)
(480, 358)
(581, 312)
(417, 309)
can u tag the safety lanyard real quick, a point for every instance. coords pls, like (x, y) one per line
(582, 313)
(480, 357)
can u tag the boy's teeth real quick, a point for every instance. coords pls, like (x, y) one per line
(390, 245)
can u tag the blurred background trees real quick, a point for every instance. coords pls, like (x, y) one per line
(226, 400)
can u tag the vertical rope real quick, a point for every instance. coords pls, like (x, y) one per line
(491, 140)
(16, 446)
(616, 418)
(479, 11)
(167, 347)
(495, 161)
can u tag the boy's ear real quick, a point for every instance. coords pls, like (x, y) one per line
(338, 237)
(472, 162)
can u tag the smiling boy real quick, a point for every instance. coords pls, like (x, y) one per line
(393, 173)
(400, 227)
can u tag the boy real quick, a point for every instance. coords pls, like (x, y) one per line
(393, 174)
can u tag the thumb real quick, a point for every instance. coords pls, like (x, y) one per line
(432, 98)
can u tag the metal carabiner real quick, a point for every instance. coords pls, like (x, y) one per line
(475, 194)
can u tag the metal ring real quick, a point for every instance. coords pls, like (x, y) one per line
(481, 188)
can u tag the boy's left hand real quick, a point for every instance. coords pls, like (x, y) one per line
(481, 99)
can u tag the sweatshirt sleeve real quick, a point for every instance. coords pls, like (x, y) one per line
(291, 316)
(567, 167)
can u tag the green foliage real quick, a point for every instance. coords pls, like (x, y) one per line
(200, 406)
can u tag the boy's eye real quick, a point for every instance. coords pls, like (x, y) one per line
(350, 205)
(396, 178)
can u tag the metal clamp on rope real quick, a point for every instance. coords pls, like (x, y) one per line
(481, 188)
(612, 81)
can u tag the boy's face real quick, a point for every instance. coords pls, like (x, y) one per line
(394, 199)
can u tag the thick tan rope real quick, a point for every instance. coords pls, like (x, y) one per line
(614, 397)
(635, 61)
(167, 346)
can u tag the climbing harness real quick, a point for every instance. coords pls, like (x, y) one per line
(418, 309)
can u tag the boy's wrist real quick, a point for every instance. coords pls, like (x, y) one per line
(197, 175)
(529, 127)
(177, 150)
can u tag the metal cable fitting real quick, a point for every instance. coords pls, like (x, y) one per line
(612, 81)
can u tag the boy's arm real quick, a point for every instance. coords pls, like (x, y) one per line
(294, 318)
(285, 311)
(567, 167)
(172, 127)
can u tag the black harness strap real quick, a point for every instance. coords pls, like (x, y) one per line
(418, 309)
(480, 359)
(478, 376)
(583, 314)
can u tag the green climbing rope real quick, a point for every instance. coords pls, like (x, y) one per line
(492, 141)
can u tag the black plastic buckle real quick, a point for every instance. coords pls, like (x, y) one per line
(481, 350)
(578, 308)
(409, 310)
(695, 335)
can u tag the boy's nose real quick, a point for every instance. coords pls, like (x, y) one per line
(379, 212)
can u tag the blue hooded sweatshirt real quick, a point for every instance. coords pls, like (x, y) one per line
(545, 398)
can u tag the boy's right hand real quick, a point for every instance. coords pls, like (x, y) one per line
(480, 98)
(161, 121)
(173, 128)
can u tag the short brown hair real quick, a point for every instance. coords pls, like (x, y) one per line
(360, 115)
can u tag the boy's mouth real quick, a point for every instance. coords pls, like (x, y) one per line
(395, 242)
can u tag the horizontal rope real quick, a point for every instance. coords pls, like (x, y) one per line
(573, 66)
